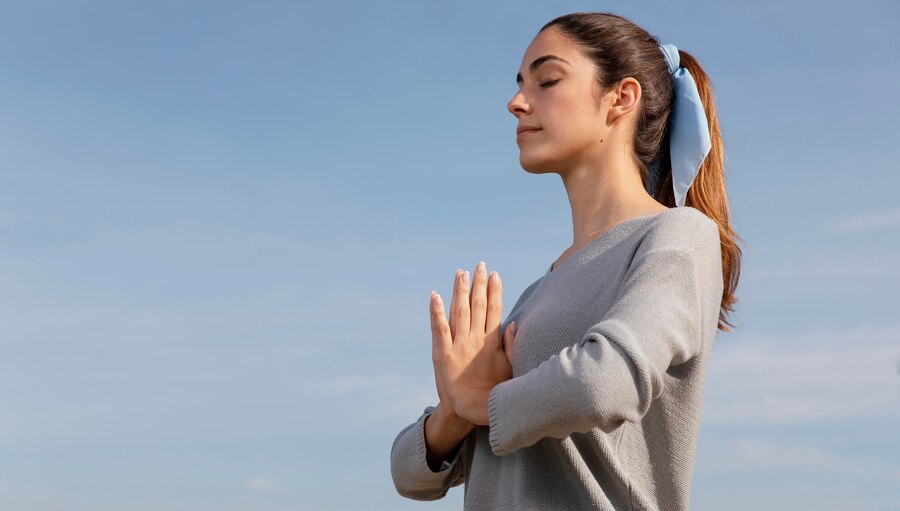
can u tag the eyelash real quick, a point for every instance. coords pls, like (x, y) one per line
(549, 84)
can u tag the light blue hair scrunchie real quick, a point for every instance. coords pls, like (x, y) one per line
(689, 141)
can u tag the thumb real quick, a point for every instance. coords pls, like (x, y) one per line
(441, 338)
(509, 339)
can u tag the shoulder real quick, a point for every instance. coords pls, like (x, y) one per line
(680, 228)
(685, 231)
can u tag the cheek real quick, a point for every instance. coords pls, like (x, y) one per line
(574, 121)
(575, 133)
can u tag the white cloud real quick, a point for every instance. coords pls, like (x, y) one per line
(374, 399)
(872, 220)
(755, 454)
(262, 485)
(808, 377)
(818, 375)
(866, 264)
(358, 383)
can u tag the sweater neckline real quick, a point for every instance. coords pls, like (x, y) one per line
(601, 237)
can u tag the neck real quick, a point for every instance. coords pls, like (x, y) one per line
(603, 193)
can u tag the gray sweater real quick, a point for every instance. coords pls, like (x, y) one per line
(603, 409)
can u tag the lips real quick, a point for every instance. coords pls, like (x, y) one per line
(524, 131)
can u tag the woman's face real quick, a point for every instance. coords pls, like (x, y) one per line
(561, 99)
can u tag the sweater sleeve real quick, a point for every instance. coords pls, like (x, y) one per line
(412, 476)
(616, 370)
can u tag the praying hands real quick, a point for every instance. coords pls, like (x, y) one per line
(470, 356)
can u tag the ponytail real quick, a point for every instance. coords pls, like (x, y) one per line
(708, 192)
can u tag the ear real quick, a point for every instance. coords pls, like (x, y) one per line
(624, 99)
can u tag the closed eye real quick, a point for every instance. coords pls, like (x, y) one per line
(551, 83)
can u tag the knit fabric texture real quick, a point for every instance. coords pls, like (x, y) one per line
(609, 364)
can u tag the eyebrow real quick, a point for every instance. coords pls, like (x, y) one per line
(537, 63)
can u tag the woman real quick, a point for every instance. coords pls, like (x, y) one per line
(591, 398)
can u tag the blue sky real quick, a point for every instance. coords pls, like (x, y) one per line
(220, 224)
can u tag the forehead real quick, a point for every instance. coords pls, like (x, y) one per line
(550, 42)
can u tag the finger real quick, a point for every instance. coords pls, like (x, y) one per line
(440, 329)
(437, 351)
(453, 303)
(479, 298)
(494, 307)
(509, 339)
(462, 311)
(437, 356)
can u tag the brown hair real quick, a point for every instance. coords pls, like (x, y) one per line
(620, 48)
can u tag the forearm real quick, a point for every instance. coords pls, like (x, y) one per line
(443, 435)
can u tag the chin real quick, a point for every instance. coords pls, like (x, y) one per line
(538, 162)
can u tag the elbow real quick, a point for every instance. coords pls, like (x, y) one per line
(409, 484)
(419, 494)
(610, 425)
(414, 492)
(609, 419)
(628, 392)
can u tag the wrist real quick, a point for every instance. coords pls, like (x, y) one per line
(451, 421)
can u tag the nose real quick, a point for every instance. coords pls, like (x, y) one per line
(517, 105)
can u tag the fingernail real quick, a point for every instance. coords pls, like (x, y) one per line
(466, 277)
(495, 277)
(480, 268)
